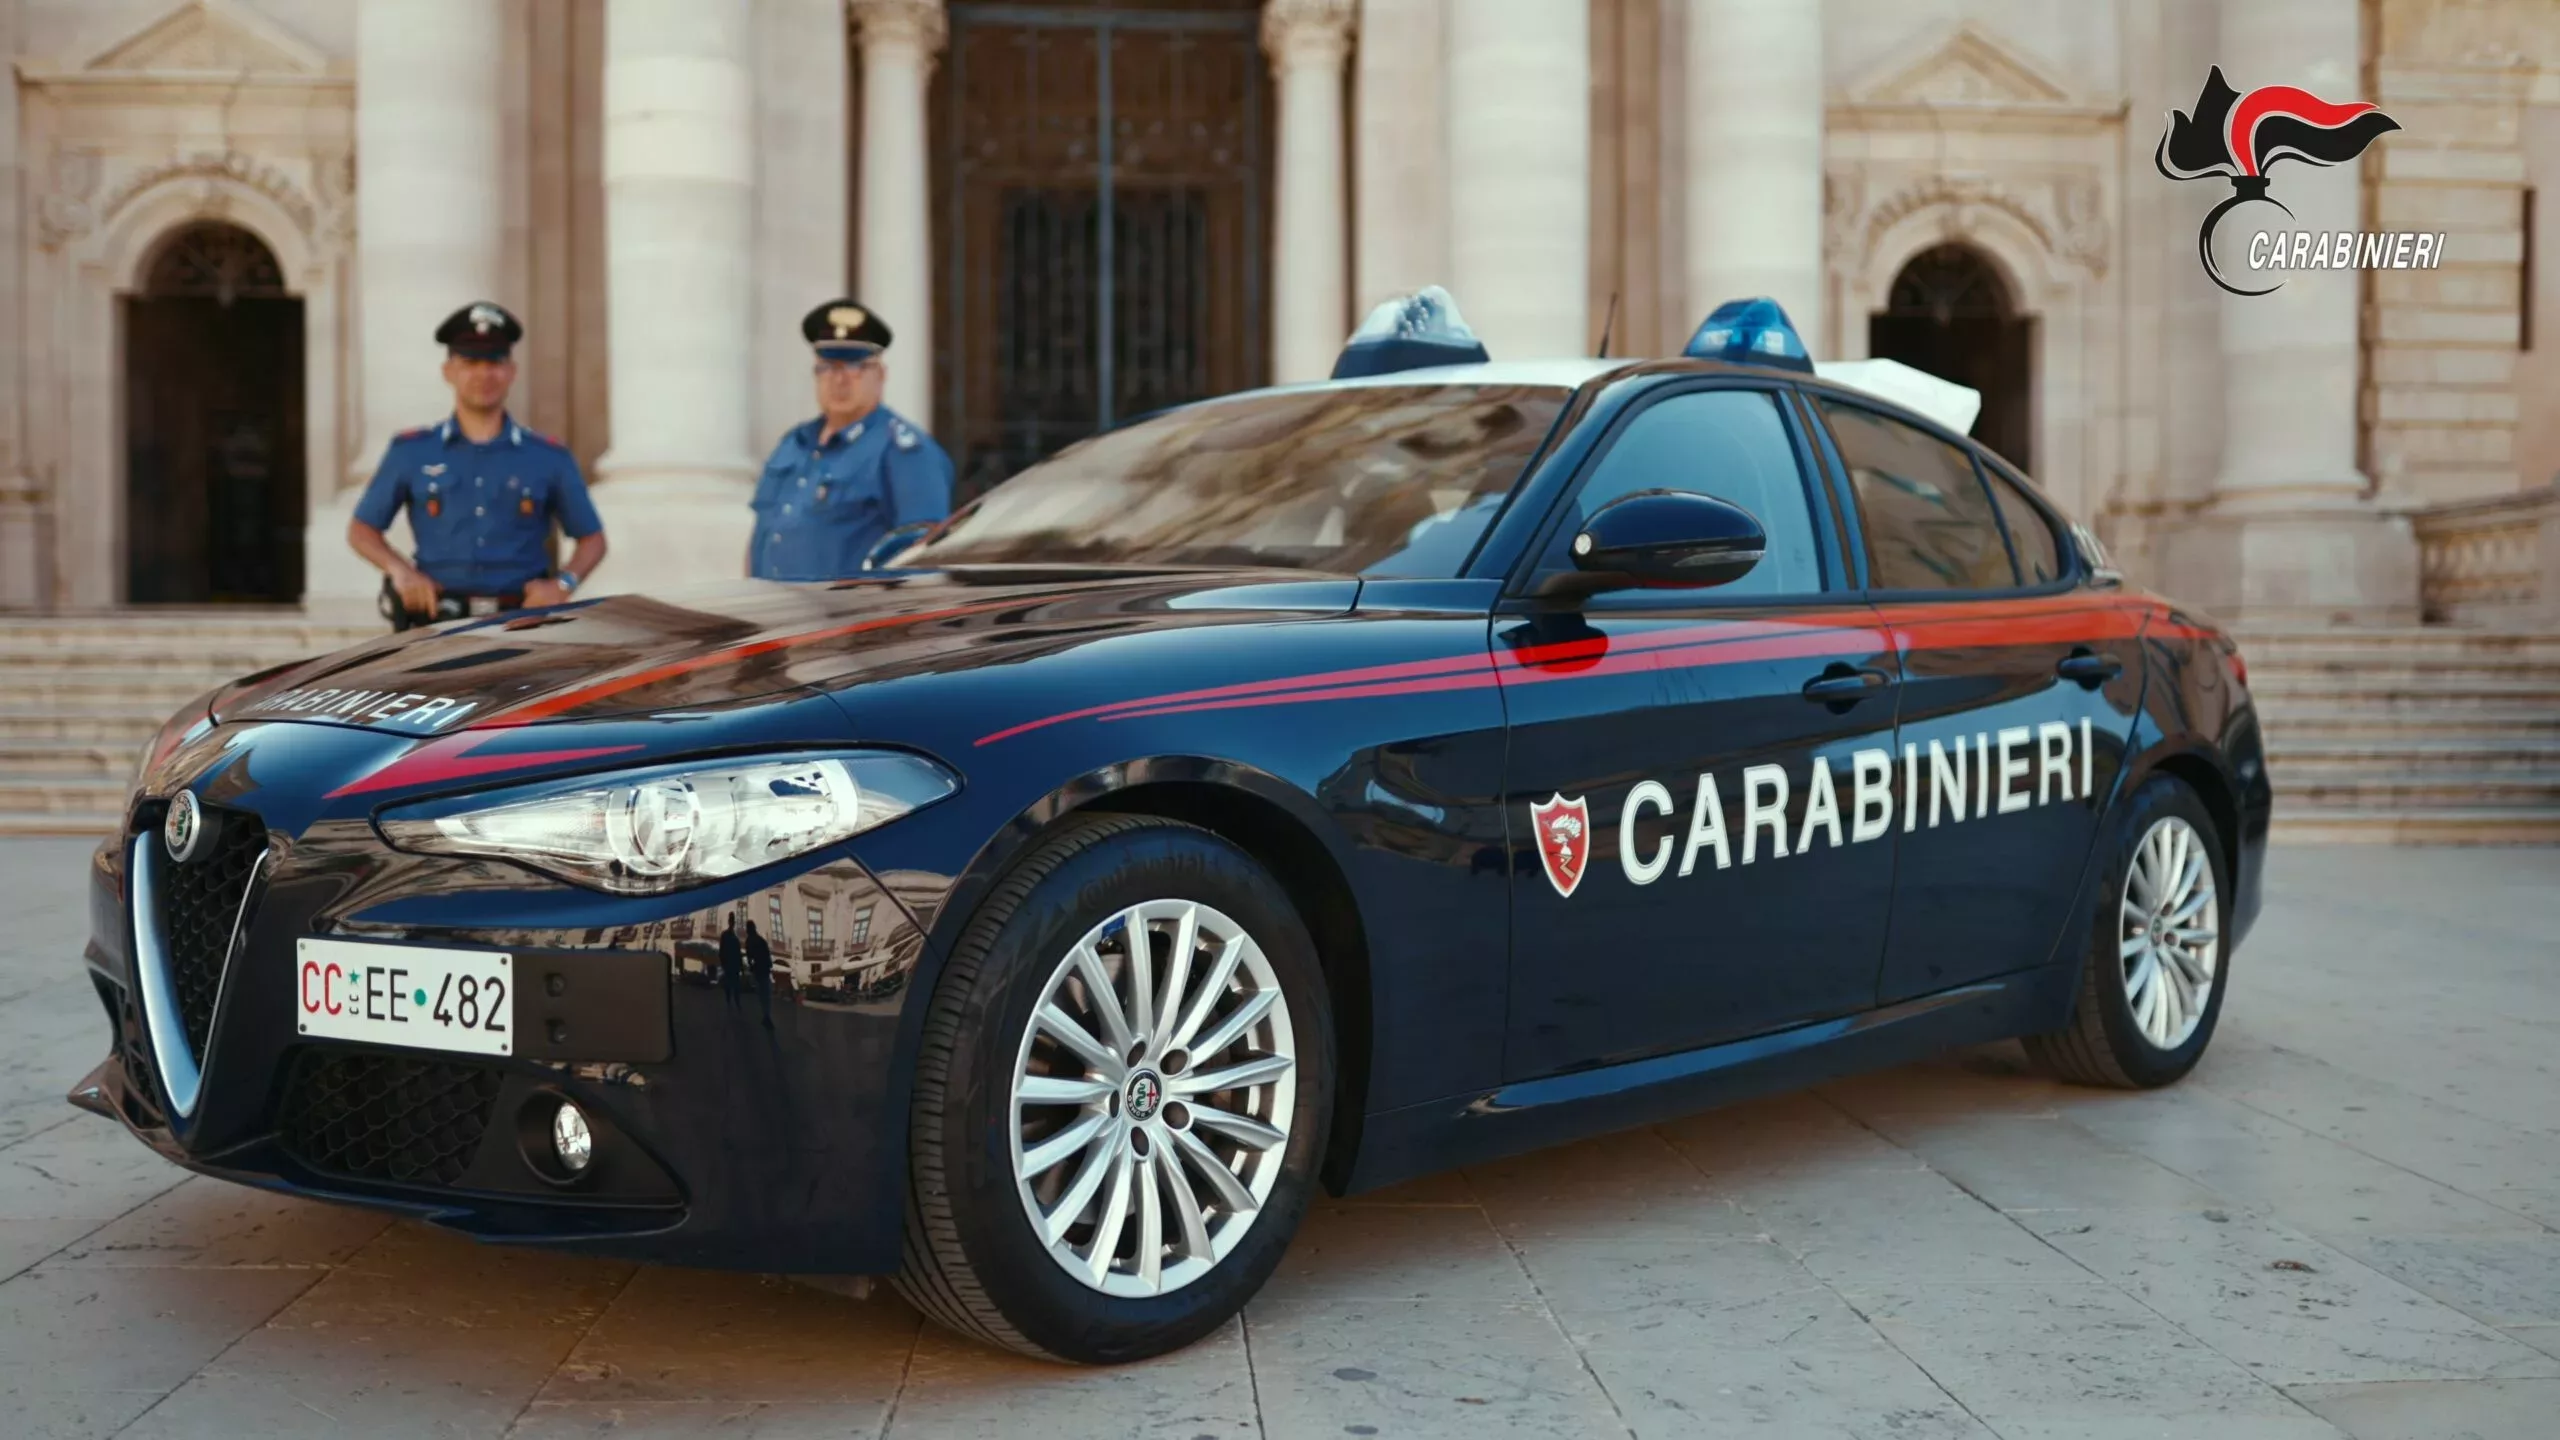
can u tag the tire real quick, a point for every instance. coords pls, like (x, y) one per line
(973, 1260)
(2113, 1038)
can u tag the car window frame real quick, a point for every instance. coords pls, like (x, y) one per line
(1526, 571)
(2068, 561)
(1837, 462)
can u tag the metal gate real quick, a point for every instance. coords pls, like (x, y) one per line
(1100, 175)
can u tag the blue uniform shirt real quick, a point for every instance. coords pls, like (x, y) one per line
(820, 508)
(482, 513)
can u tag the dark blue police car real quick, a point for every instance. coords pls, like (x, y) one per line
(1316, 786)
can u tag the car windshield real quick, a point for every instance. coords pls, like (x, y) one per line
(1375, 480)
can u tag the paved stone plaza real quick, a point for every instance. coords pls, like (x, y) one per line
(2344, 1223)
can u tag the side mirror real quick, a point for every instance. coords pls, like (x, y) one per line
(1661, 539)
(888, 546)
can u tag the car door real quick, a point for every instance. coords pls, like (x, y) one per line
(1689, 861)
(2019, 683)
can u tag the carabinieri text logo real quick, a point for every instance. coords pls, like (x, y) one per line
(2241, 137)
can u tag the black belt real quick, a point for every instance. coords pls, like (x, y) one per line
(450, 605)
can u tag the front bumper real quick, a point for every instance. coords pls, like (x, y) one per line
(759, 1129)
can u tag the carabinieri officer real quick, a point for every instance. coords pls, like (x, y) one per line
(482, 492)
(837, 484)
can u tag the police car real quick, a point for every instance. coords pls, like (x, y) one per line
(1318, 786)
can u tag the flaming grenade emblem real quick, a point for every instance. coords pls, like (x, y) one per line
(2240, 136)
(1562, 827)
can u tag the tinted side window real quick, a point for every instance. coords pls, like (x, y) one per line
(1928, 520)
(1731, 444)
(2030, 534)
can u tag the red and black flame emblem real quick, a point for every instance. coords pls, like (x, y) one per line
(2241, 136)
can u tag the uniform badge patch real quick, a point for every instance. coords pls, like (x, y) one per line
(904, 435)
(1564, 834)
(431, 469)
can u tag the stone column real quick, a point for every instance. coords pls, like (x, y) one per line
(893, 266)
(1399, 170)
(1308, 41)
(430, 238)
(679, 177)
(2290, 534)
(804, 197)
(1518, 91)
(1753, 141)
(22, 565)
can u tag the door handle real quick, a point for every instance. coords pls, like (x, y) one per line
(2089, 668)
(1842, 686)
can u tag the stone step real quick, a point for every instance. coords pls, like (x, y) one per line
(2381, 669)
(2412, 724)
(129, 726)
(68, 758)
(98, 799)
(2310, 788)
(117, 690)
(2286, 694)
(215, 662)
(2291, 645)
(2288, 753)
(2449, 825)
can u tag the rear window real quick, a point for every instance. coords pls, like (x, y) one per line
(1378, 480)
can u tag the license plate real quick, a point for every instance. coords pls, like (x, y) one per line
(406, 995)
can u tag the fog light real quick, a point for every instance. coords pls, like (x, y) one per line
(571, 1140)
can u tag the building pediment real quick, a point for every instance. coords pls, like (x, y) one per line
(208, 37)
(1964, 65)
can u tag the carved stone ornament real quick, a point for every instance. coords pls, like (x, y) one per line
(65, 214)
(2065, 213)
(1315, 31)
(920, 23)
(232, 166)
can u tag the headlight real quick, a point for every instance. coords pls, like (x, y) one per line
(646, 832)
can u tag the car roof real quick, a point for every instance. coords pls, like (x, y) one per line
(1570, 373)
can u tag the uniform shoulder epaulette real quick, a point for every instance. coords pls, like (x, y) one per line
(415, 432)
(902, 434)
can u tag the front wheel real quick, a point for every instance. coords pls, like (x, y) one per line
(1121, 1097)
(2152, 986)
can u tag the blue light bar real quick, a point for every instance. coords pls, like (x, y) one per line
(1409, 332)
(1750, 332)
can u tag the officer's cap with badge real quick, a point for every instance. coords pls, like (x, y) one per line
(845, 330)
(481, 330)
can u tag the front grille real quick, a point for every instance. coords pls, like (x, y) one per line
(387, 1117)
(199, 913)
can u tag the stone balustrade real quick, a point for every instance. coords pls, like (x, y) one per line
(2492, 561)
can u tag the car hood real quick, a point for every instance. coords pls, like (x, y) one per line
(717, 646)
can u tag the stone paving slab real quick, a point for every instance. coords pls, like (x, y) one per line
(2344, 1226)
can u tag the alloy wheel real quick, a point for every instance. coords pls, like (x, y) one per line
(2169, 932)
(1152, 1100)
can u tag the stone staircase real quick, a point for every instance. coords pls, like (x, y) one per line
(2419, 736)
(2434, 735)
(80, 695)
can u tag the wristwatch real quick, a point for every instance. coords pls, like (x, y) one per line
(568, 582)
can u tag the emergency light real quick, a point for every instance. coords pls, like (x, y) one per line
(1750, 332)
(1409, 332)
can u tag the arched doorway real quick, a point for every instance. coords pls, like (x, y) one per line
(1951, 314)
(213, 424)
(1101, 176)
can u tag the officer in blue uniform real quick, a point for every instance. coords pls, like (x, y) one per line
(837, 484)
(482, 493)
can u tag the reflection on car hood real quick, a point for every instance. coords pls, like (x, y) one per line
(630, 654)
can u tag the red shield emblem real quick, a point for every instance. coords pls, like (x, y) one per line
(1564, 839)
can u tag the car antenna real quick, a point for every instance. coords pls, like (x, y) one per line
(1608, 325)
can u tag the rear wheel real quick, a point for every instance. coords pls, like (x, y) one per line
(1121, 1097)
(2151, 990)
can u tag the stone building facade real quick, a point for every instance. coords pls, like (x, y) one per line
(233, 224)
